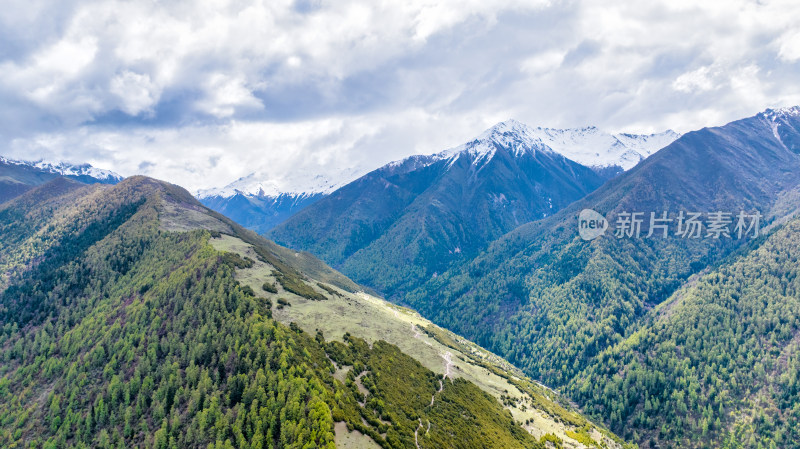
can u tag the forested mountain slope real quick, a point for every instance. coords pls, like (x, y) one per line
(551, 302)
(397, 226)
(718, 363)
(123, 324)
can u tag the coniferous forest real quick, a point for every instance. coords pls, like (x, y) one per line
(117, 332)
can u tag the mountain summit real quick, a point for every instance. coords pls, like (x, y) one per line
(416, 216)
(511, 135)
(588, 146)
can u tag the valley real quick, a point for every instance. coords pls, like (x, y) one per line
(562, 309)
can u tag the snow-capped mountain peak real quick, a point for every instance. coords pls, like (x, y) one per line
(68, 169)
(778, 113)
(596, 148)
(517, 136)
(512, 135)
(589, 146)
(261, 185)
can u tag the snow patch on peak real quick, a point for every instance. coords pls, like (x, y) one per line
(596, 148)
(518, 137)
(67, 169)
(511, 135)
(262, 185)
(779, 113)
(589, 145)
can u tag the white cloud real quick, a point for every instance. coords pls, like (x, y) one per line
(701, 79)
(66, 58)
(214, 90)
(136, 91)
(543, 63)
(224, 95)
(790, 46)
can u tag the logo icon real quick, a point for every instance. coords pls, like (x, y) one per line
(591, 224)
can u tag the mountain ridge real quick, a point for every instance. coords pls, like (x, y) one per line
(67, 169)
(420, 214)
(261, 203)
(127, 319)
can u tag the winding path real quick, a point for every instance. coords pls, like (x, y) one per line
(448, 364)
(418, 335)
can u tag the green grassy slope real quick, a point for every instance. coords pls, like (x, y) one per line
(360, 315)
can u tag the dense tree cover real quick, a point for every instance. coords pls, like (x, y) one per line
(560, 302)
(117, 333)
(715, 370)
(719, 361)
(552, 303)
(144, 338)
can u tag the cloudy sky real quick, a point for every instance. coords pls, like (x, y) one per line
(203, 92)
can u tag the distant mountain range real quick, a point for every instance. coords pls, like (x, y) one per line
(261, 203)
(409, 220)
(17, 177)
(261, 213)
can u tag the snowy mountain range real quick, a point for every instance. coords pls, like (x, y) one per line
(596, 148)
(419, 215)
(589, 146)
(259, 202)
(261, 185)
(67, 169)
(17, 177)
